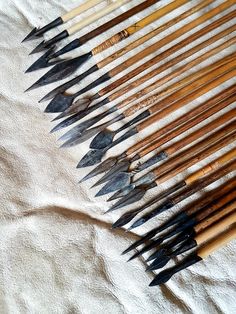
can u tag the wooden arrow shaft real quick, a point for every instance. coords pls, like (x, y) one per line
(184, 123)
(177, 166)
(163, 136)
(183, 158)
(155, 47)
(217, 242)
(218, 227)
(173, 74)
(80, 9)
(191, 151)
(137, 26)
(117, 20)
(167, 39)
(202, 183)
(152, 34)
(225, 193)
(94, 17)
(160, 113)
(213, 125)
(211, 166)
(217, 214)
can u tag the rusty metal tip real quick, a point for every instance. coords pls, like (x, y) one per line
(161, 278)
(34, 86)
(130, 198)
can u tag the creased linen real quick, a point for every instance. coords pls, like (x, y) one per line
(58, 253)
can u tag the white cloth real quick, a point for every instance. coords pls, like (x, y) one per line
(58, 253)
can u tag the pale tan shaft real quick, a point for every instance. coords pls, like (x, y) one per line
(222, 211)
(80, 9)
(211, 166)
(155, 32)
(173, 74)
(94, 17)
(218, 242)
(217, 228)
(158, 113)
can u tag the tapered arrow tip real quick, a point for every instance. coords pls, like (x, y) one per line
(102, 139)
(131, 198)
(161, 278)
(59, 103)
(116, 183)
(31, 35)
(39, 48)
(43, 61)
(104, 166)
(92, 158)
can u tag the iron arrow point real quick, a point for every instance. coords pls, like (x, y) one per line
(102, 139)
(38, 32)
(39, 48)
(161, 278)
(121, 164)
(104, 166)
(43, 61)
(123, 192)
(31, 35)
(92, 158)
(64, 69)
(59, 103)
(116, 183)
(159, 263)
(137, 223)
(130, 198)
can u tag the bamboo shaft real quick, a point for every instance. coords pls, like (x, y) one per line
(166, 53)
(205, 181)
(176, 72)
(211, 166)
(217, 242)
(115, 21)
(151, 34)
(183, 122)
(215, 207)
(221, 212)
(176, 167)
(139, 25)
(184, 159)
(228, 116)
(167, 39)
(80, 9)
(155, 16)
(190, 82)
(168, 109)
(94, 17)
(159, 141)
(217, 228)
(191, 154)
(171, 75)
(220, 196)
